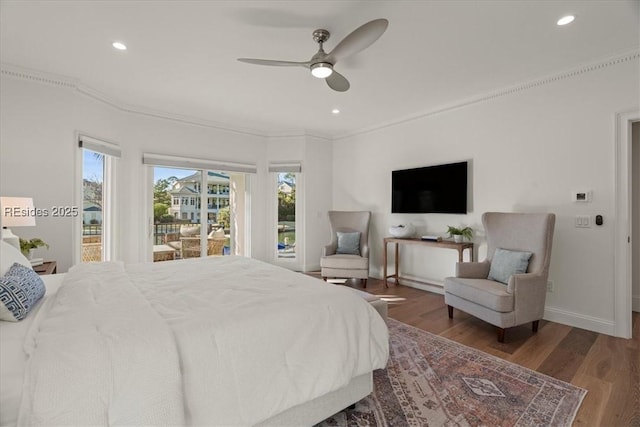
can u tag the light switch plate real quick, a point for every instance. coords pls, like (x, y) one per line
(583, 221)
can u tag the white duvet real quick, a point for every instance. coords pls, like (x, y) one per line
(216, 341)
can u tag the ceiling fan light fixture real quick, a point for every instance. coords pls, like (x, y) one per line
(321, 70)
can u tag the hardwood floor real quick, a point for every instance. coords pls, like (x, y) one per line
(608, 367)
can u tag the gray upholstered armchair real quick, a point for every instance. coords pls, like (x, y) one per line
(511, 298)
(347, 255)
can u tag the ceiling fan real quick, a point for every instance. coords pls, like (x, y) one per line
(321, 64)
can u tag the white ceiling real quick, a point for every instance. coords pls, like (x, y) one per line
(181, 56)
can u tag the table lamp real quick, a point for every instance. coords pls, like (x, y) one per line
(16, 212)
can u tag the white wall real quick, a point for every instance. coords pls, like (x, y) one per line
(38, 125)
(530, 150)
(635, 209)
(318, 186)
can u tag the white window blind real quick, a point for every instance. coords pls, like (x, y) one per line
(99, 146)
(293, 166)
(189, 163)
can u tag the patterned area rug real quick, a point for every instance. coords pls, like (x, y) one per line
(432, 381)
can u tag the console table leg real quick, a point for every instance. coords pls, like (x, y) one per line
(397, 263)
(384, 264)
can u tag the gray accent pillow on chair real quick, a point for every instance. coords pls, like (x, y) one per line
(348, 243)
(506, 263)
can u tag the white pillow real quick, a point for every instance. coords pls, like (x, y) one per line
(10, 254)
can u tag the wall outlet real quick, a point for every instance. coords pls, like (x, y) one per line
(550, 286)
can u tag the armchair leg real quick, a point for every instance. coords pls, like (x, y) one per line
(500, 334)
(450, 308)
(364, 282)
(534, 326)
(324, 278)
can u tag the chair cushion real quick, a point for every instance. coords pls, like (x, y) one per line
(348, 243)
(344, 261)
(484, 292)
(190, 230)
(506, 262)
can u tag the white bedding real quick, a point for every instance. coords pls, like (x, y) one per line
(220, 341)
(12, 353)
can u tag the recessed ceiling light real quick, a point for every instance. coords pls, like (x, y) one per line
(119, 45)
(566, 20)
(335, 111)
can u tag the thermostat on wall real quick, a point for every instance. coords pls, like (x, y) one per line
(582, 196)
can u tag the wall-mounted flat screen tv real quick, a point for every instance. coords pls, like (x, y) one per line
(431, 189)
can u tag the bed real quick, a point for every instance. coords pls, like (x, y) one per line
(213, 341)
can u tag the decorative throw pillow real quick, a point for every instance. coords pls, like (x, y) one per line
(348, 243)
(506, 263)
(20, 289)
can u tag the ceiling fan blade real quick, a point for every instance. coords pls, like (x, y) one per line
(338, 82)
(274, 63)
(361, 38)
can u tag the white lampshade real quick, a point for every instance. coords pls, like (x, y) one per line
(16, 212)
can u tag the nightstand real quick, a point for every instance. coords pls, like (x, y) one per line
(47, 267)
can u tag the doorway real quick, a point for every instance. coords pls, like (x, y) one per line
(635, 216)
(626, 221)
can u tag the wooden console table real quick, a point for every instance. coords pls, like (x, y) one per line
(460, 247)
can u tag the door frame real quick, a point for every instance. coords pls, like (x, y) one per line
(623, 224)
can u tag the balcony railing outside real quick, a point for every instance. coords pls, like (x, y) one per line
(92, 238)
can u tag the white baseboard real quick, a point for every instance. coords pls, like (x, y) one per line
(431, 285)
(635, 303)
(578, 320)
(553, 314)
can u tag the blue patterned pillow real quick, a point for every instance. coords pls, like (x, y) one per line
(348, 243)
(506, 262)
(20, 289)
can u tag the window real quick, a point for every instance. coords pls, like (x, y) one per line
(98, 165)
(286, 175)
(191, 236)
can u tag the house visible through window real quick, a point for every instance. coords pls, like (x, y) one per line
(200, 207)
(177, 195)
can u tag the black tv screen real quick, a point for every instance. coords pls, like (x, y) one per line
(431, 189)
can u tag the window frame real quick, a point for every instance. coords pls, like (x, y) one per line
(110, 191)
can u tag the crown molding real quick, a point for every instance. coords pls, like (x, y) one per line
(163, 115)
(51, 79)
(37, 76)
(14, 71)
(620, 58)
(299, 134)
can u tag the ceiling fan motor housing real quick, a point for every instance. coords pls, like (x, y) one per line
(321, 36)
